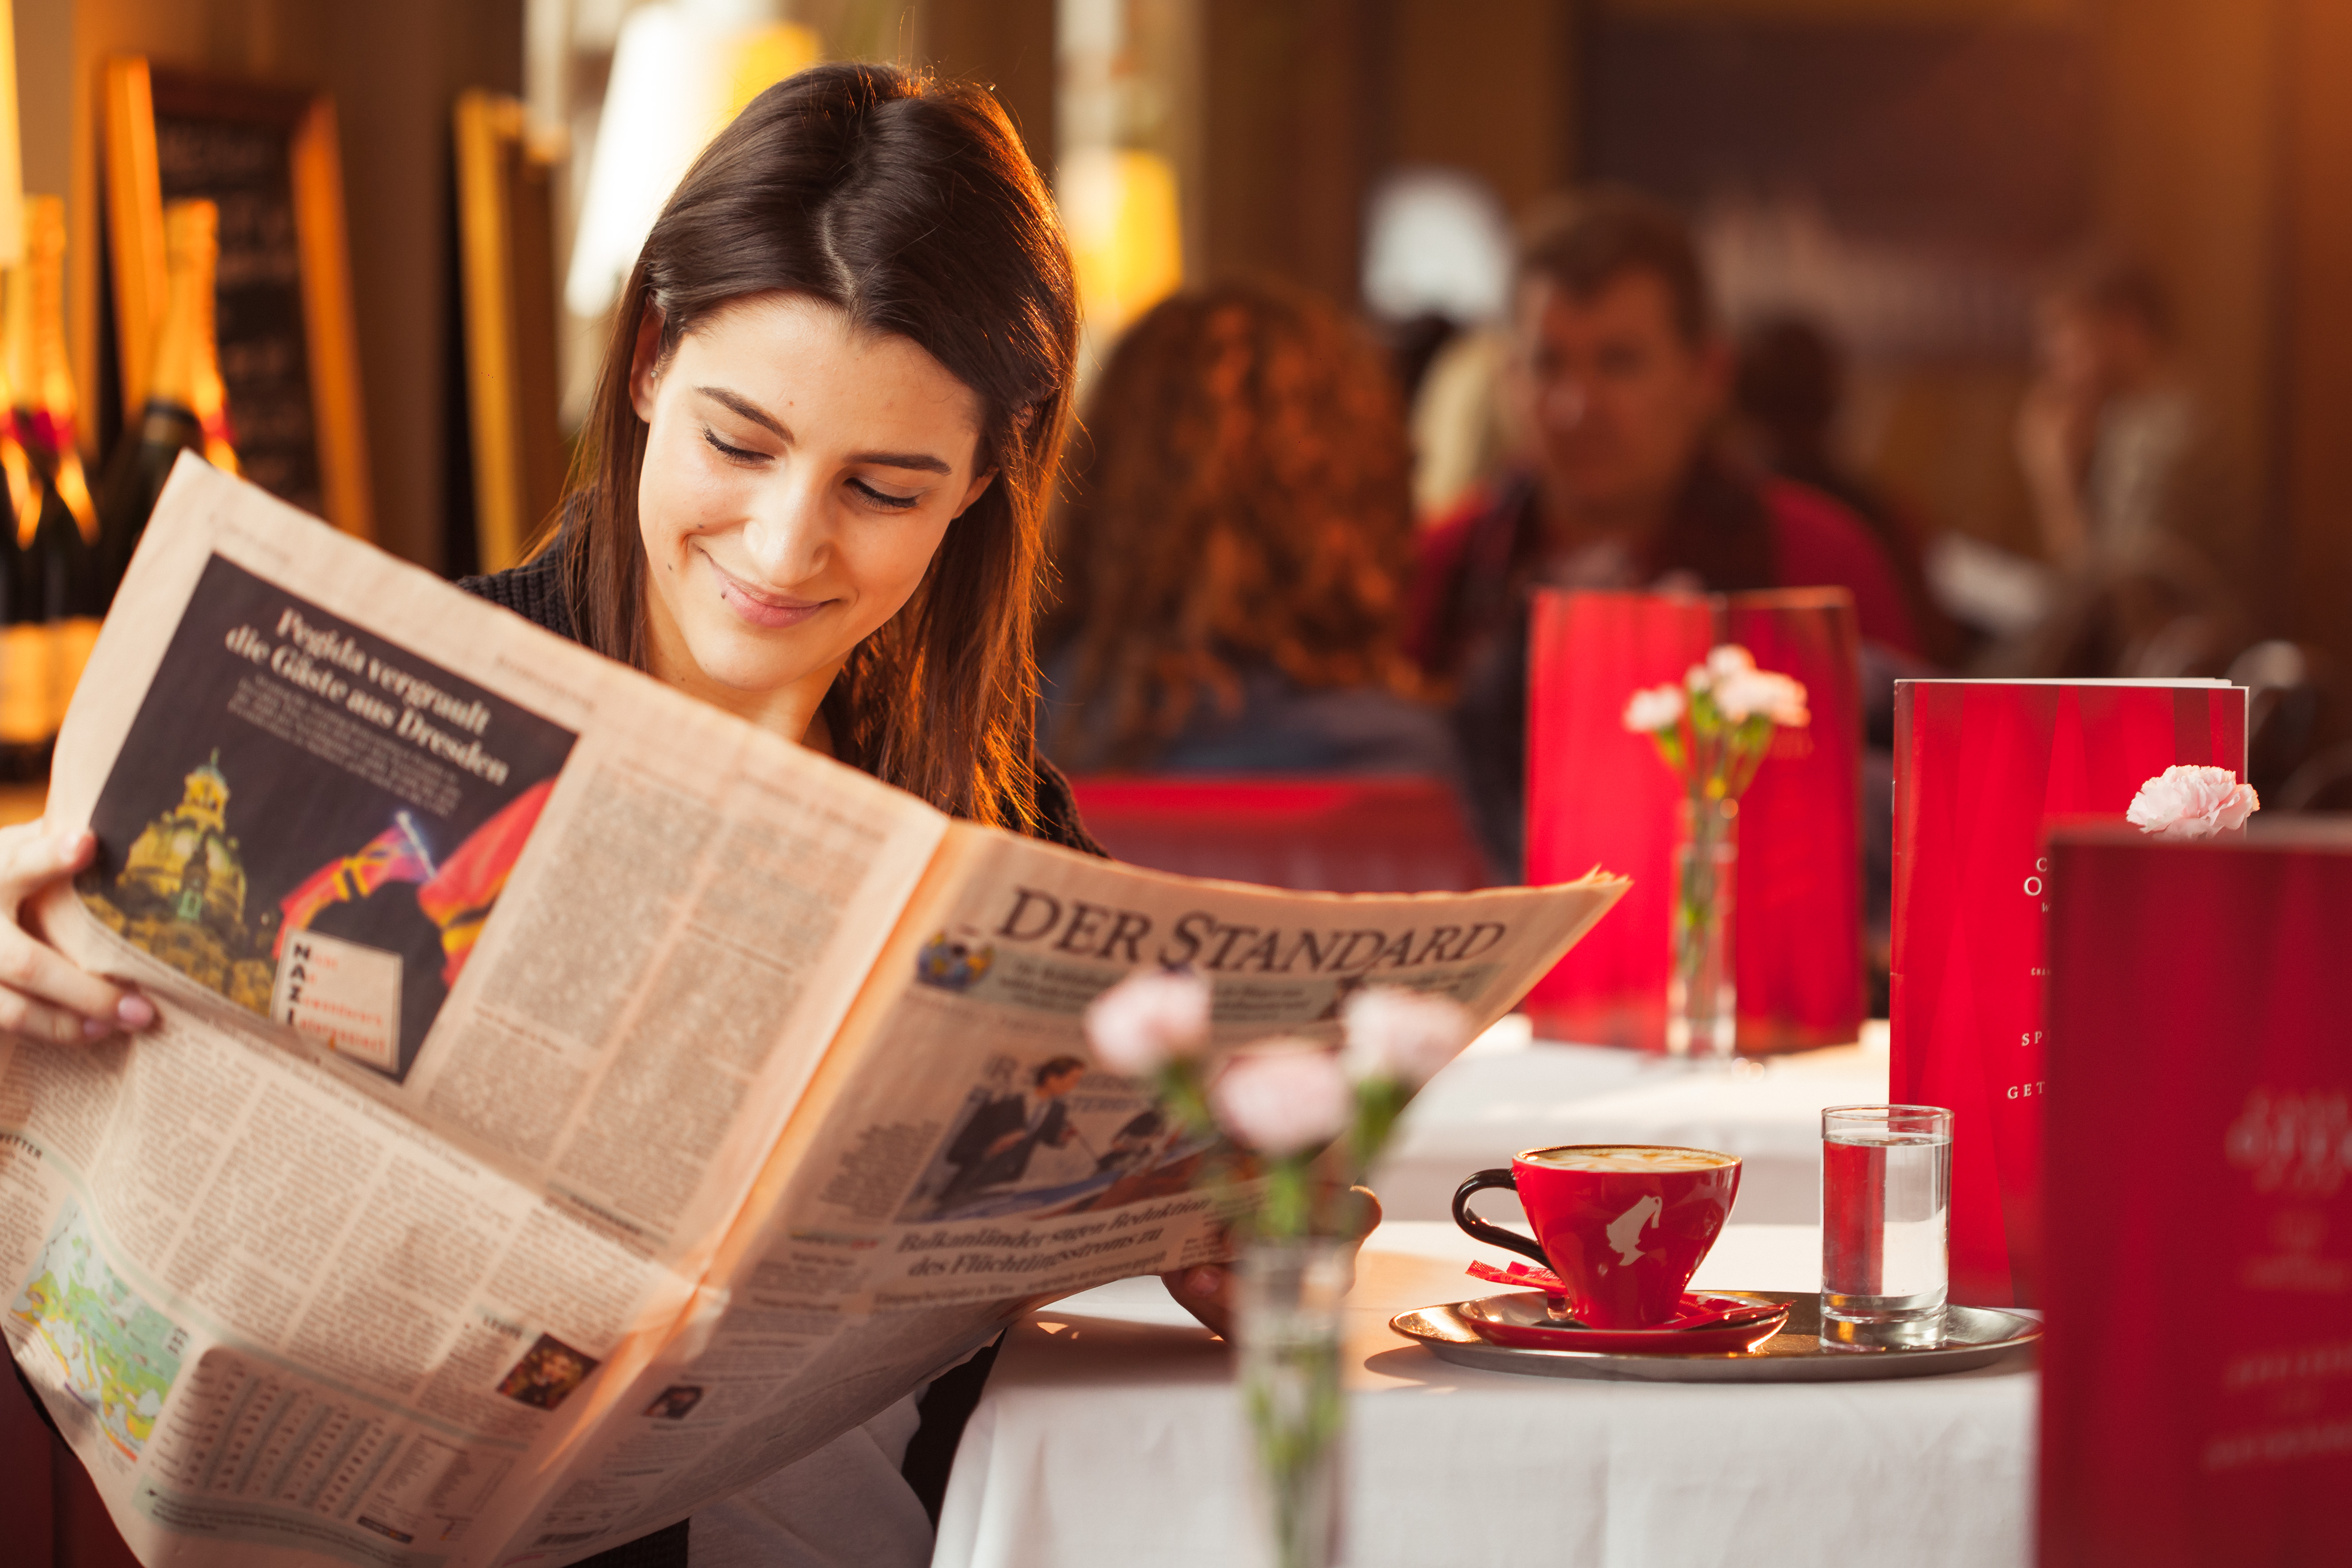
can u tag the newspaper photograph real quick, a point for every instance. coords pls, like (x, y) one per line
(315, 823)
(570, 1104)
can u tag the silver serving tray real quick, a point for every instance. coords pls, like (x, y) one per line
(1973, 1336)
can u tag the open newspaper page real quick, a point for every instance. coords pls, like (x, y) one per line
(489, 973)
(957, 1157)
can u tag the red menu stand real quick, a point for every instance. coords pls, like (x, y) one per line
(1982, 770)
(1599, 795)
(2197, 1374)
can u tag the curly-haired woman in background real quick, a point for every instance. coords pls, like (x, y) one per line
(1230, 566)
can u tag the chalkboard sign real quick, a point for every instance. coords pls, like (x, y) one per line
(266, 156)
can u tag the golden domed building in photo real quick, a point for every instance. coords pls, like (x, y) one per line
(180, 894)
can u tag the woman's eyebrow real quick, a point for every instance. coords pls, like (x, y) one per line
(747, 408)
(923, 462)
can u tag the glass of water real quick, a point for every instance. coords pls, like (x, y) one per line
(1886, 1188)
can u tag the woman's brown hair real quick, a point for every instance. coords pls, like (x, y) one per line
(910, 204)
(1243, 498)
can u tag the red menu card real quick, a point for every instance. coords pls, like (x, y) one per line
(1982, 770)
(2197, 1377)
(1599, 795)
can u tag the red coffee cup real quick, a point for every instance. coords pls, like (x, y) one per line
(1623, 1224)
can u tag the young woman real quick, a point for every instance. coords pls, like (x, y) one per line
(810, 492)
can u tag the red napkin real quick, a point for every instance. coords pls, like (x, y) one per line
(1519, 1274)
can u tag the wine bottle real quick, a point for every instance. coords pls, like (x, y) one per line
(73, 578)
(187, 408)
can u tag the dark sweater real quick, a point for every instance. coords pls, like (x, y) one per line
(535, 592)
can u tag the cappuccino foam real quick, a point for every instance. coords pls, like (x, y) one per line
(1631, 1157)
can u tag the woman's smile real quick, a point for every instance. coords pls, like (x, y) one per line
(757, 606)
(813, 467)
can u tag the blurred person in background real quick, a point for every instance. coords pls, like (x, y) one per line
(1621, 379)
(1462, 434)
(1231, 563)
(2138, 511)
(1789, 389)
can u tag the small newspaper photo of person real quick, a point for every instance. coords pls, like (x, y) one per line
(313, 822)
(1053, 1136)
(675, 1403)
(546, 1373)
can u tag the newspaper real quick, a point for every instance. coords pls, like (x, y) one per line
(568, 1103)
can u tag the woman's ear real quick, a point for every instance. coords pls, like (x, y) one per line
(645, 364)
(979, 487)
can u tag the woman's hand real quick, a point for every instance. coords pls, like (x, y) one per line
(1206, 1291)
(44, 996)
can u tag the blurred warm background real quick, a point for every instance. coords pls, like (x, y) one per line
(1897, 168)
(1896, 177)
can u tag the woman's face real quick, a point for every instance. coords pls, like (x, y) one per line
(798, 477)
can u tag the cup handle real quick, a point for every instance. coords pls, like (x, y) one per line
(1494, 1235)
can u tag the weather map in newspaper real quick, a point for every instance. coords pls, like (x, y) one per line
(117, 1354)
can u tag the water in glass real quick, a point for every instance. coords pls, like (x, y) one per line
(1886, 1198)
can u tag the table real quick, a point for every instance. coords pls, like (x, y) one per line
(1110, 1433)
(1507, 1093)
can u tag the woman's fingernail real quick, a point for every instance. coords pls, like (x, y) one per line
(68, 845)
(1205, 1281)
(96, 1028)
(136, 1012)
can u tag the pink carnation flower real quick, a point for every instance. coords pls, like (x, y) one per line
(1282, 1096)
(1729, 661)
(1653, 707)
(1402, 1036)
(1148, 1020)
(2190, 802)
(1746, 693)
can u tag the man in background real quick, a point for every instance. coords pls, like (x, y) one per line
(1620, 376)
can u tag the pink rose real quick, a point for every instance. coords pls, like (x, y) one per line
(1282, 1096)
(2190, 802)
(1653, 707)
(1404, 1035)
(1148, 1020)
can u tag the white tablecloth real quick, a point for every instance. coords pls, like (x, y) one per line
(1505, 1095)
(1110, 1434)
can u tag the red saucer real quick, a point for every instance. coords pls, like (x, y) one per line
(1523, 1320)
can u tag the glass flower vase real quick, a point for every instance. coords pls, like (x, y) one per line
(1289, 1331)
(1701, 1004)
